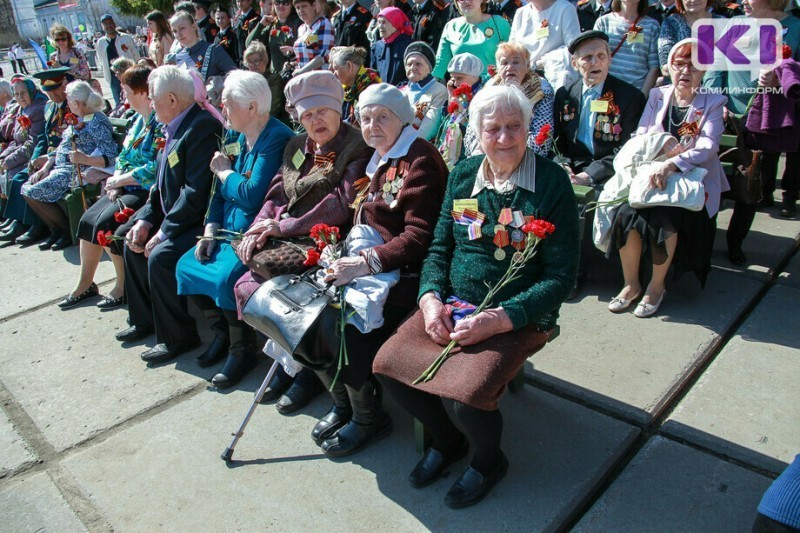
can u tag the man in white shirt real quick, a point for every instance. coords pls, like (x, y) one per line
(111, 46)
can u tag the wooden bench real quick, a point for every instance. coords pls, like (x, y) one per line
(72, 203)
(421, 436)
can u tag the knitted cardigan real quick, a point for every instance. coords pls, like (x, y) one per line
(458, 266)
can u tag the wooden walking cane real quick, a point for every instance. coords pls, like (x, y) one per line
(80, 176)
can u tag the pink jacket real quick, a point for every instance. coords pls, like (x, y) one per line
(707, 110)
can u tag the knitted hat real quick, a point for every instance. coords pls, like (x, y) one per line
(318, 88)
(387, 96)
(466, 64)
(422, 49)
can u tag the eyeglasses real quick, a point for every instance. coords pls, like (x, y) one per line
(683, 65)
(252, 63)
(59, 39)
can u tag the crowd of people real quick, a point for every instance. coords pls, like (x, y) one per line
(440, 144)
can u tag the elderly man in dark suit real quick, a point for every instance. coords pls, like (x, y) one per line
(169, 223)
(595, 115)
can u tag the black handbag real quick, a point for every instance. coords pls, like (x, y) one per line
(287, 309)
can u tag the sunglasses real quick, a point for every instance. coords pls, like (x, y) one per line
(59, 39)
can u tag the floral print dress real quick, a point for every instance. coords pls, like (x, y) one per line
(93, 136)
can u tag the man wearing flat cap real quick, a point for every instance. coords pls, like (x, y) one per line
(596, 114)
(54, 84)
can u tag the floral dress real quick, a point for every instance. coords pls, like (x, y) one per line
(138, 154)
(76, 62)
(93, 136)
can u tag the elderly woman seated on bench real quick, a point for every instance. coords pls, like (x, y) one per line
(488, 209)
(86, 142)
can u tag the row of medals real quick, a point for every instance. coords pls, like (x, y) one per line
(517, 239)
(392, 187)
(607, 128)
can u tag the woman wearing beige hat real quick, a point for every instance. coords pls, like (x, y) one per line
(398, 207)
(314, 185)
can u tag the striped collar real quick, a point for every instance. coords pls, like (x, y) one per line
(524, 176)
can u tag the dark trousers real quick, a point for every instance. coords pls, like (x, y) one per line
(152, 289)
(116, 89)
(16, 207)
(22, 68)
(790, 181)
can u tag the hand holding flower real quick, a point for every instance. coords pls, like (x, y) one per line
(346, 269)
(438, 324)
(219, 164)
(79, 158)
(478, 328)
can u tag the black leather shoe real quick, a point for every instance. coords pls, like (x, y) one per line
(298, 395)
(736, 256)
(71, 301)
(32, 236)
(354, 436)
(62, 243)
(788, 210)
(46, 245)
(107, 302)
(236, 368)
(134, 333)
(473, 486)
(433, 464)
(162, 352)
(280, 382)
(329, 424)
(14, 230)
(6, 223)
(215, 352)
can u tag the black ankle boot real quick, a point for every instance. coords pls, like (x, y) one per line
(277, 386)
(305, 388)
(241, 356)
(369, 423)
(789, 208)
(339, 414)
(219, 346)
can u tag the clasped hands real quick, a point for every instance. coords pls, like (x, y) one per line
(472, 330)
(139, 240)
(256, 237)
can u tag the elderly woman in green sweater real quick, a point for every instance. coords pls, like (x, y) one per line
(489, 203)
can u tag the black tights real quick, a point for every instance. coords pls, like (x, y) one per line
(449, 421)
(51, 214)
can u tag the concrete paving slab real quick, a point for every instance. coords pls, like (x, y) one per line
(35, 504)
(165, 473)
(671, 487)
(747, 404)
(50, 275)
(75, 380)
(770, 239)
(791, 275)
(632, 365)
(16, 452)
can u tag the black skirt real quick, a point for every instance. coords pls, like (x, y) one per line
(100, 217)
(655, 225)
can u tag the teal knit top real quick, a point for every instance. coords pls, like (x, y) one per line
(458, 266)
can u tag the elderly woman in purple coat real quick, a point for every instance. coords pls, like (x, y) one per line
(673, 235)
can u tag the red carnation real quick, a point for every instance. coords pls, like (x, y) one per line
(463, 90)
(543, 135)
(452, 107)
(71, 119)
(492, 70)
(286, 29)
(104, 238)
(540, 228)
(160, 143)
(312, 257)
(24, 122)
(273, 33)
(786, 51)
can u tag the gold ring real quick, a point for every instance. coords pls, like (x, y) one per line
(329, 271)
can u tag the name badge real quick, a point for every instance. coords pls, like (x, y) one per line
(298, 159)
(467, 203)
(636, 38)
(599, 106)
(542, 33)
(233, 149)
(73, 61)
(173, 159)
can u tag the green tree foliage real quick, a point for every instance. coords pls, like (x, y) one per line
(140, 8)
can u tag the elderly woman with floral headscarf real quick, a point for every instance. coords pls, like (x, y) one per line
(425, 93)
(513, 68)
(387, 54)
(90, 131)
(347, 64)
(465, 82)
(28, 123)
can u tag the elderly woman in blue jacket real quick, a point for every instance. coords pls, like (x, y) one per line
(208, 272)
